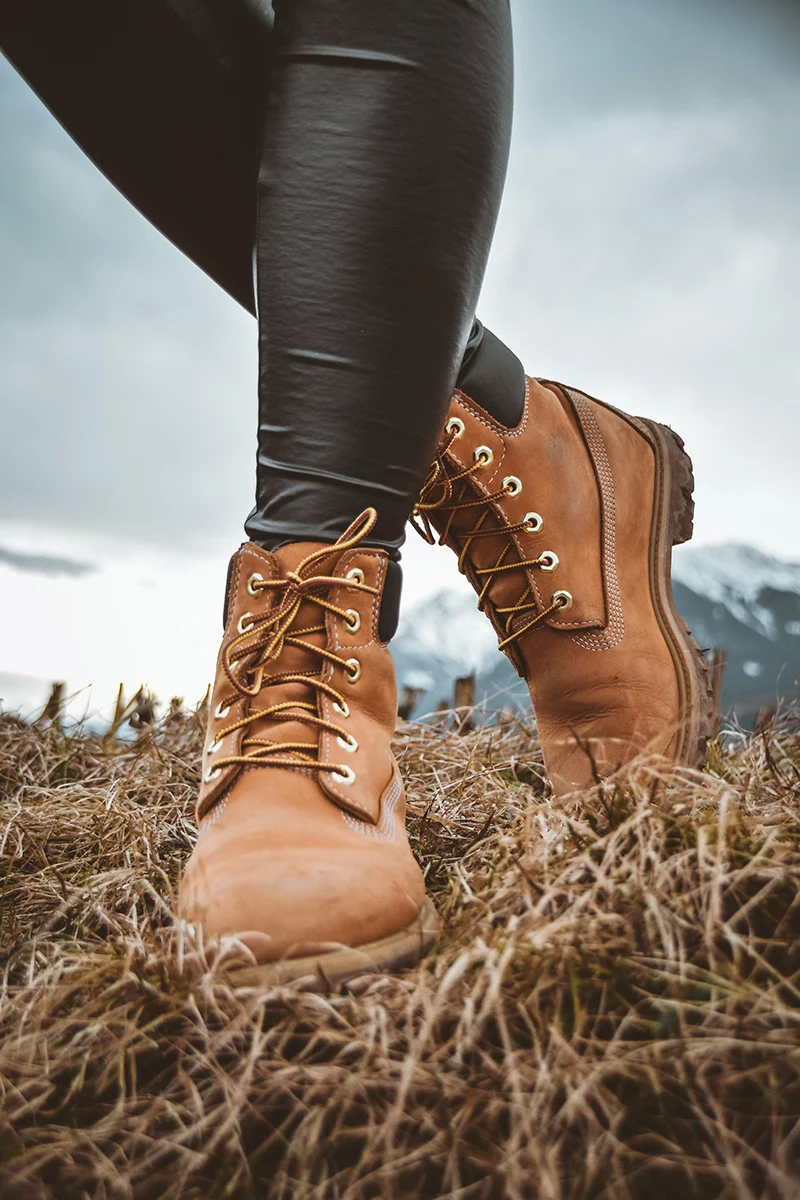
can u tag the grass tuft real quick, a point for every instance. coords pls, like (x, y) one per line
(613, 1010)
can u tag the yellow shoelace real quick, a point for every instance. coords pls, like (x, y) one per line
(438, 496)
(259, 644)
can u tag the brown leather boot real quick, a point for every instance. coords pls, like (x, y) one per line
(565, 527)
(302, 850)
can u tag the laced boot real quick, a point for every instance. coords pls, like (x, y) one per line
(302, 852)
(564, 526)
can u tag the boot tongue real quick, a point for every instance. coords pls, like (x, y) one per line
(289, 558)
(296, 660)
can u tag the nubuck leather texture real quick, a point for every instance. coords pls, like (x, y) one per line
(564, 525)
(302, 848)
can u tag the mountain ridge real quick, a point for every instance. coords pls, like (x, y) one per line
(733, 596)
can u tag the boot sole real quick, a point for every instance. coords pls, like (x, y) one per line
(324, 972)
(672, 524)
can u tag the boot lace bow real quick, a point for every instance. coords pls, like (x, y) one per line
(448, 493)
(249, 659)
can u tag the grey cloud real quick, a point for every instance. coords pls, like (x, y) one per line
(648, 249)
(45, 564)
(585, 56)
(651, 213)
(127, 379)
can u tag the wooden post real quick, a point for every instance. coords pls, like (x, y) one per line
(464, 701)
(716, 670)
(408, 701)
(144, 713)
(55, 703)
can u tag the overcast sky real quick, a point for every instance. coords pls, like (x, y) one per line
(648, 251)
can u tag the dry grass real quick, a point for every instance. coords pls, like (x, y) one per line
(614, 1010)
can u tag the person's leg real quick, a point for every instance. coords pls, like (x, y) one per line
(381, 167)
(165, 97)
(385, 143)
(385, 147)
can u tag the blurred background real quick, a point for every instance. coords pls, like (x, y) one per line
(648, 251)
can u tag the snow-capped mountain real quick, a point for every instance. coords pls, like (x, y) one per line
(732, 597)
(742, 579)
(747, 603)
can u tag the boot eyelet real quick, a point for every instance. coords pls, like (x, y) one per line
(254, 578)
(483, 455)
(221, 713)
(357, 575)
(210, 776)
(353, 620)
(548, 561)
(342, 709)
(562, 599)
(353, 670)
(244, 625)
(512, 485)
(350, 745)
(214, 746)
(344, 774)
(455, 426)
(532, 522)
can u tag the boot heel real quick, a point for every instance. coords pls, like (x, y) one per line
(697, 710)
(682, 485)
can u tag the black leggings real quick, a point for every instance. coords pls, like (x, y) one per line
(360, 146)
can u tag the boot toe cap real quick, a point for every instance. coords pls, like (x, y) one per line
(298, 902)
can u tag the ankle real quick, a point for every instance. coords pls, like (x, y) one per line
(493, 377)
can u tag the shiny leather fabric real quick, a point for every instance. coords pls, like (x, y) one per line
(369, 142)
(169, 116)
(384, 156)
